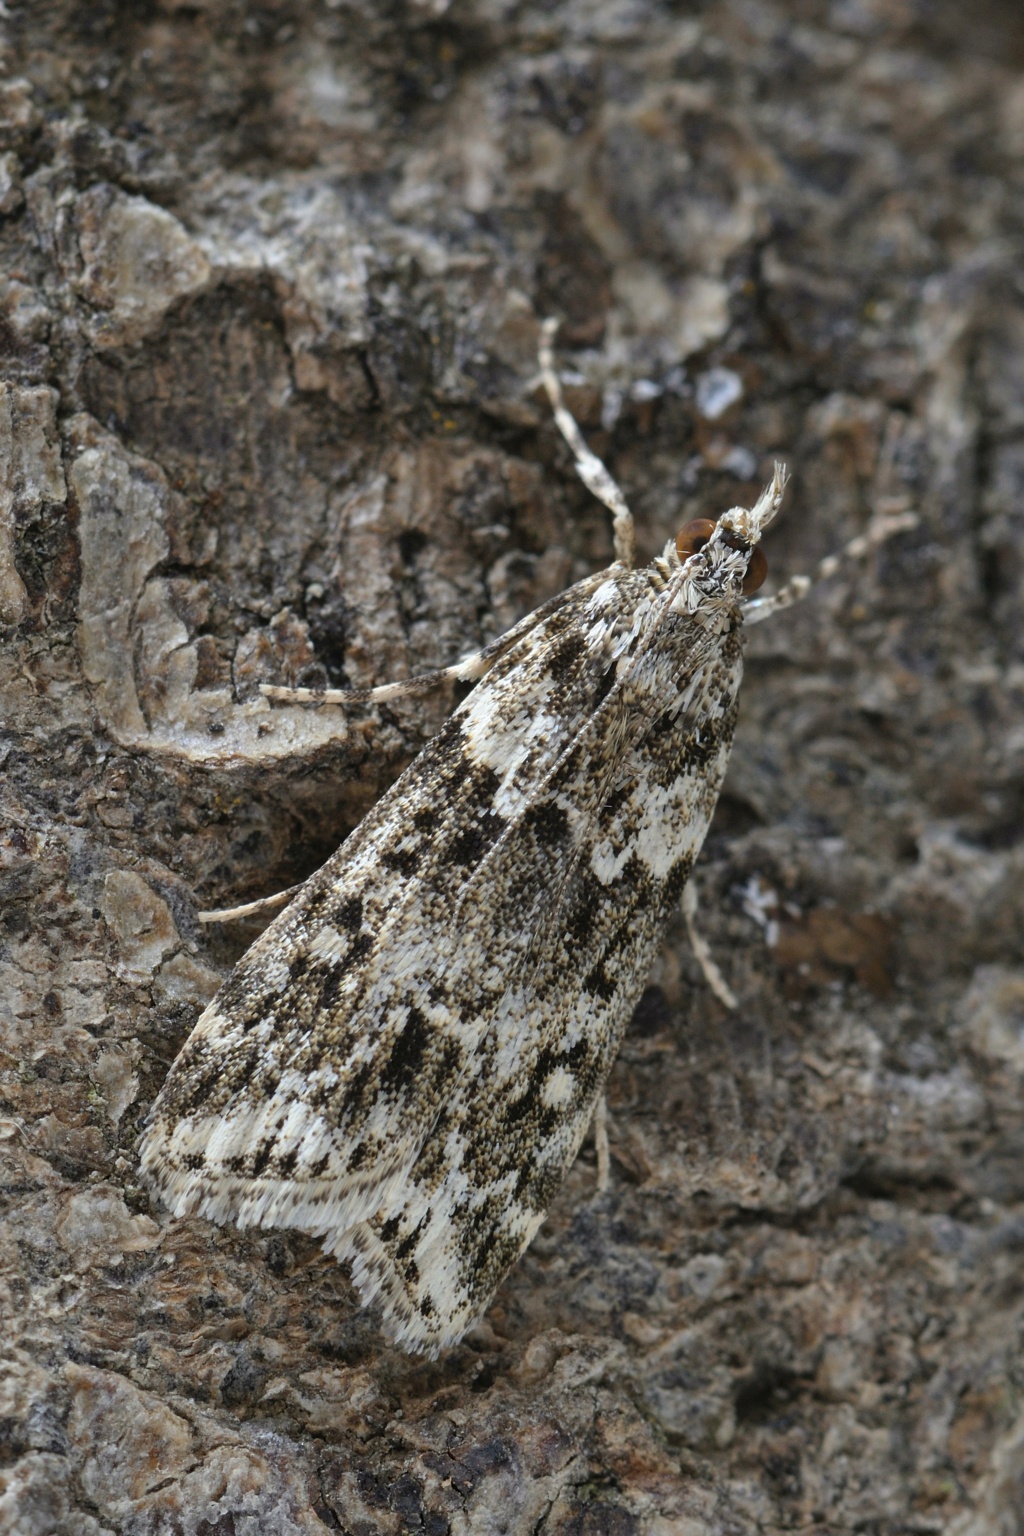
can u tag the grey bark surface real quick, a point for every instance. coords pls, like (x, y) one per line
(271, 278)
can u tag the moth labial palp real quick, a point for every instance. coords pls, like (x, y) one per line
(407, 1060)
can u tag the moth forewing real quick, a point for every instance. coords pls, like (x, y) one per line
(406, 1062)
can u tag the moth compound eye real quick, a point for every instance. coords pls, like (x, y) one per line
(693, 536)
(757, 570)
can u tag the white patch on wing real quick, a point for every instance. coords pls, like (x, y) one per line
(410, 959)
(559, 1087)
(276, 975)
(503, 742)
(672, 825)
(607, 596)
(329, 944)
(212, 1025)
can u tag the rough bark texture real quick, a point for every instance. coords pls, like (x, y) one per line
(270, 278)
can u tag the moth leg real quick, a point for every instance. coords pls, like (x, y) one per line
(588, 466)
(881, 527)
(702, 949)
(599, 1123)
(249, 908)
(469, 670)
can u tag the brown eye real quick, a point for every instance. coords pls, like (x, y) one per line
(757, 570)
(693, 536)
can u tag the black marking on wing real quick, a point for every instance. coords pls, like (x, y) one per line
(599, 984)
(408, 1243)
(565, 656)
(337, 970)
(548, 823)
(405, 861)
(586, 898)
(349, 916)
(409, 1053)
(676, 879)
(604, 684)
(472, 841)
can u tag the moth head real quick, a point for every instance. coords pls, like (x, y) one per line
(737, 530)
(694, 536)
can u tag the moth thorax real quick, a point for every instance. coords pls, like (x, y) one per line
(693, 537)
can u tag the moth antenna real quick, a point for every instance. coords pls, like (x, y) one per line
(250, 908)
(589, 467)
(882, 527)
(470, 669)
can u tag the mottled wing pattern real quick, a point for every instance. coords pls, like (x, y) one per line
(395, 1065)
(314, 1071)
(505, 1139)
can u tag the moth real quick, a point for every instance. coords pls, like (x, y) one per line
(406, 1062)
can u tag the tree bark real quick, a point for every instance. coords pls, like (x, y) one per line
(271, 282)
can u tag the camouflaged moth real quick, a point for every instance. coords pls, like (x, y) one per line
(406, 1062)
